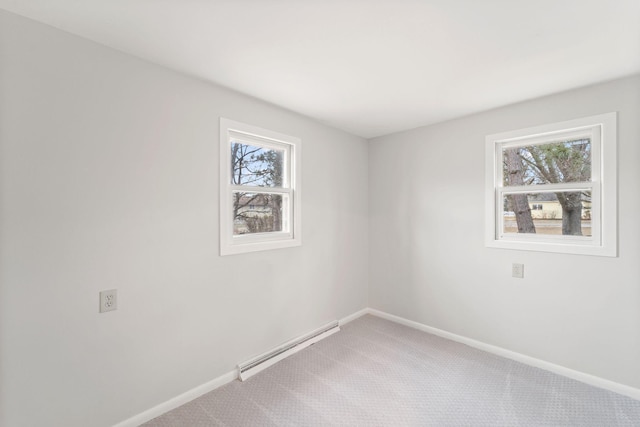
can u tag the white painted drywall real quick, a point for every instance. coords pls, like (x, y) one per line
(428, 262)
(109, 179)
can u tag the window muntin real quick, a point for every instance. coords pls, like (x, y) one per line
(259, 188)
(546, 187)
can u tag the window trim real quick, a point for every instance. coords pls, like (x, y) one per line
(603, 186)
(230, 244)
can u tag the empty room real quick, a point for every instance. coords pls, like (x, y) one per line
(316, 213)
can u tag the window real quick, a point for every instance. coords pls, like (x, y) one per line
(553, 188)
(259, 189)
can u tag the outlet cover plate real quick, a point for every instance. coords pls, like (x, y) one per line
(517, 270)
(108, 300)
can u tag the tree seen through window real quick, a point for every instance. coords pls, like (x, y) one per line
(256, 166)
(551, 163)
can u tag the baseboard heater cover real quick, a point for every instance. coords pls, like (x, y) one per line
(259, 363)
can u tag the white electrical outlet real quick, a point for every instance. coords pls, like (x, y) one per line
(108, 300)
(517, 270)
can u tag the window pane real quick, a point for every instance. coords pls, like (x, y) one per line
(257, 166)
(559, 213)
(553, 163)
(257, 213)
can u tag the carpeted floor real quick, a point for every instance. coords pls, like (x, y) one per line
(378, 373)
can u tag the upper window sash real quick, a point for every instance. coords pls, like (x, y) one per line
(592, 133)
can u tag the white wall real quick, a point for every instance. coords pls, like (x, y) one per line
(109, 179)
(428, 262)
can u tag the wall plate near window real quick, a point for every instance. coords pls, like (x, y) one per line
(552, 188)
(259, 189)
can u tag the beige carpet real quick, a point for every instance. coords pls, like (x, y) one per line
(378, 373)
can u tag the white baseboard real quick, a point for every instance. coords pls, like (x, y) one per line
(354, 316)
(518, 357)
(179, 400)
(196, 392)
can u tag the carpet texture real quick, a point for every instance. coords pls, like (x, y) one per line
(377, 373)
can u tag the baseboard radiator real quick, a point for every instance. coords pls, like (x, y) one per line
(259, 363)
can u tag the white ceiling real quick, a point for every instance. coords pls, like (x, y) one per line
(370, 67)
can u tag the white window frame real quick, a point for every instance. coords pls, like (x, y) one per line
(602, 129)
(291, 234)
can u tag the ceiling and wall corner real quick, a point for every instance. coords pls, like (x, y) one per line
(369, 67)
